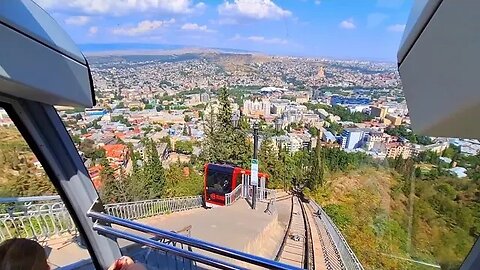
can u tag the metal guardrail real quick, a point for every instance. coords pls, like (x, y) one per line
(229, 253)
(265, 194)
(349, 260)
(233, 196)
(35, 218)
(148, 208)
(43, 217)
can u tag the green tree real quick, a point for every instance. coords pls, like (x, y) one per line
(184, 147)
(153, 175)
(76, 139)
(108, 178)
(89, 148)
(318, 166)
(167, 140)
(211, 138)
(179, 184)
(28, 183)
(268, 162)
(115, 188)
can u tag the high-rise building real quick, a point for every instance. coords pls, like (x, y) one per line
(320, 73)
(204, 97)
(266, 107)
(352, 138)
(377, 111)
(256, 107)
(396, 120)
(278, 124)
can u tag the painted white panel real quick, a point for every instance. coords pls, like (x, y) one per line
(27, 17)
(440, 74)
(35, 72)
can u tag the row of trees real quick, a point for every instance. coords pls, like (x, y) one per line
(344, 113)
(402, 131)
(18, 175)
(223, 142)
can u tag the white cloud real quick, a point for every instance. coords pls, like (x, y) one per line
(260, 39)
(201, 6)
(120, 7)
(196, 27)
(77, 20)
(226, 21)
(396, 28)
(142, 27)
(348, 24)
(93, 30)
(317, 2)
(254, 9)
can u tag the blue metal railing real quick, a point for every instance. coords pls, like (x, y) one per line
(29, 199)
(108, 231)
(210, 247)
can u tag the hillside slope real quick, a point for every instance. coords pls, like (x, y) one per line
(372, 208)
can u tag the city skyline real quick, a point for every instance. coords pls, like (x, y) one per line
(335, 29)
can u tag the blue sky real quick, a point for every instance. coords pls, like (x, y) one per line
(358, 29)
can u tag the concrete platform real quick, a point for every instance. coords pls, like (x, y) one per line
(236, 226)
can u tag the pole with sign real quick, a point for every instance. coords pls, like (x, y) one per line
(254, 166)
(254, 170)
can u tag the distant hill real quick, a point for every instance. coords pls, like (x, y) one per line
(105, 47)
(102, 49)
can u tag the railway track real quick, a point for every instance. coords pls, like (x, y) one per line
(297, 246)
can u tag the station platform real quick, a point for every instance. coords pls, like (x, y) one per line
(237, 226)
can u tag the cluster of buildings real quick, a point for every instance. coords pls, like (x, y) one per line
(135, 76)
(157, 99)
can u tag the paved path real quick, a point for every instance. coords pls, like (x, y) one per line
(237, 226)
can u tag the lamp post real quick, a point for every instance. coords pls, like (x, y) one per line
(235, 120)
(255, 157)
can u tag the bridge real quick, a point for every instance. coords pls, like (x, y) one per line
(165, 233)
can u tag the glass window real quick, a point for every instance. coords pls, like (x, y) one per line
(30, 206)
(220, 183)
(321, 81)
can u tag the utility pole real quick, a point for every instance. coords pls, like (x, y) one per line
(255, 157)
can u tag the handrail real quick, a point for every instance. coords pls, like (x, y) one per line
(147, 208)
(347, 255)
(108, 231)
(265, 194)
(185, 229)
(35, 221)
(43, 217)
(210, 247)
(233, 196)
(29, 199)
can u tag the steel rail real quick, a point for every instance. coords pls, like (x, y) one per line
(301, 230)
(284, 241)
(309, 262)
